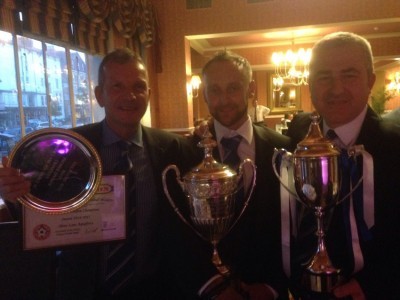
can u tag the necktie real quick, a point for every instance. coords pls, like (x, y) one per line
(230, 146)
(331, 134)
(255, 113)
(232, 159)
(121, 256)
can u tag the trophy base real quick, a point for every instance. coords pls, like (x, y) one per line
(321, 283)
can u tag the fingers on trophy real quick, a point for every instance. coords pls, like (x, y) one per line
(317, 178)
(211, 190)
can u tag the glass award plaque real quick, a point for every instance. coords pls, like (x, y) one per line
(64, 169)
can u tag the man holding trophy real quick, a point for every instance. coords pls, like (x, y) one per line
(250, 251)
(362, 231)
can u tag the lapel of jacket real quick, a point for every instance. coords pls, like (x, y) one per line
(154, 147)
(369, 129)
(263, 147)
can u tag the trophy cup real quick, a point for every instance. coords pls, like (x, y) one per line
(210, 190)
(317, 183)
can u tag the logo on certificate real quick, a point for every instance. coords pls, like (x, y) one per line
(41, 232)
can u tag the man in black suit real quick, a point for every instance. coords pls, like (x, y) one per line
(341, 78)
(252, 248)
(84, 271)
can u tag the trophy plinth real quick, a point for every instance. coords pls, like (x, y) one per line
(210, 190)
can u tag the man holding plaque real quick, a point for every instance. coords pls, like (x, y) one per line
(251, 250)
(362, 236)
(130, 268)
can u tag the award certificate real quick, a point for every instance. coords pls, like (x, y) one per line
(101, 219)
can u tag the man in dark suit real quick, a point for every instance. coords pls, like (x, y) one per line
(84, 272)
(366, 249)
(252, 248)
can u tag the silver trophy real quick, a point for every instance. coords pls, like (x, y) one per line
(210, 190)
(317, 181)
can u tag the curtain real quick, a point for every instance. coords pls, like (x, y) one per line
(8, 15)
(81, 23)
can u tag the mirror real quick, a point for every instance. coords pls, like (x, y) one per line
(286, 98)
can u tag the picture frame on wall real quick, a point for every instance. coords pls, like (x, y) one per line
(285, 98)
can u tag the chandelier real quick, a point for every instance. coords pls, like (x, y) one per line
(291, 67)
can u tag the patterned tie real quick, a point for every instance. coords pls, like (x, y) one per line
(121, 256)
(232, 159)
(230, 146)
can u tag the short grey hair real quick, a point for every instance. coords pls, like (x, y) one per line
(342, 39)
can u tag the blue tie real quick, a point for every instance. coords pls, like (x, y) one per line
(121, 256)
(331, 134)
(230, 146)
(232, 159)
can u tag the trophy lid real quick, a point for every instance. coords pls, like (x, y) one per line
(315, 144)
(209, 168)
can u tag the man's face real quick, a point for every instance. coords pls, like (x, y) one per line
(339, 84)
(227, 93)
(124, 95)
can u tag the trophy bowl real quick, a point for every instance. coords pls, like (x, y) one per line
(211, 190)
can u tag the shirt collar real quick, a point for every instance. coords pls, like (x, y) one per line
(348, 133)
(246, 131)
(110, 137)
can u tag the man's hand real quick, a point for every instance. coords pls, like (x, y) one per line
(351, 288)
(12, 183)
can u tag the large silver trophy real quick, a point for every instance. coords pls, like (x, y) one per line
(317, 181)
(211, 193)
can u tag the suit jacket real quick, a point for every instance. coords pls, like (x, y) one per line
(379, 278)
(81, 267)
(252, 248)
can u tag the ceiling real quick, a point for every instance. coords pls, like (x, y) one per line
(257, 46)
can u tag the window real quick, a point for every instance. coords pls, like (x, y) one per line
(44, 85)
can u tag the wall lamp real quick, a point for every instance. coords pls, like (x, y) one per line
(195, 82)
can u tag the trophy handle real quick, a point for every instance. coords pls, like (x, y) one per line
(253, 184)
(353, 152)
(285, 160)
(172, 202)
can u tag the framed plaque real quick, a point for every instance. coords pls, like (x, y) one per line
(64, 169)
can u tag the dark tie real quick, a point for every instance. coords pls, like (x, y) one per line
(120, 258)
(232, 159)
(230, 146)
(331, 135)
